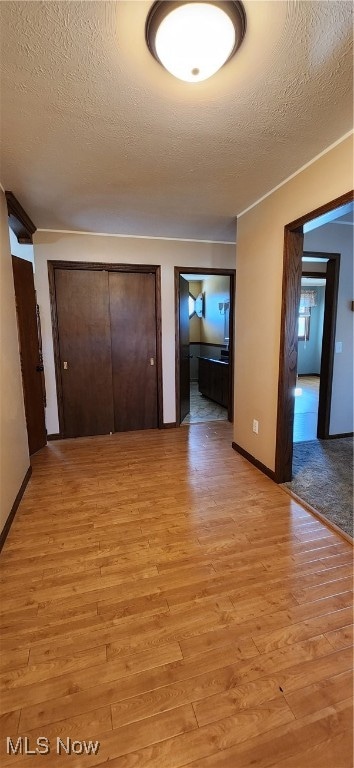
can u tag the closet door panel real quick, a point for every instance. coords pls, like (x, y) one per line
(133, 334)
(82, 299)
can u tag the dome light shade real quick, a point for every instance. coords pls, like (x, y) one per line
(193, 40)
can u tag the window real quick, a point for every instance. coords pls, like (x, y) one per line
(308, 299)
(191, 305)
(303, 332)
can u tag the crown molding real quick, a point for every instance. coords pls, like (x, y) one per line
(293, 175)
(135, 237)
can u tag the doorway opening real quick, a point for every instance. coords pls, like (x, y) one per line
(288, 362)
(310, 347)
(204, 344)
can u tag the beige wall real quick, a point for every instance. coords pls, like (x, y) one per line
(167, 253)
(14, 458)
(260, 240)
(216, 289)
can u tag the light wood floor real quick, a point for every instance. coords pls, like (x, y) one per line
(162, 596)
(306, 408)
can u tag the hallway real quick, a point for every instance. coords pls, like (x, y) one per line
(203, 409)
(162, 596)
(306, 408)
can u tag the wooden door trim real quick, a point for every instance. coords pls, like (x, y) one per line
(347, 197)
(19, 221)
(331, 276)
(231, 273)
(320, 275)
(106, 267)
(99, 266)
(292, 267)
(159, 347)
(328, 345)
(30, 354)
(56, 348)
(183, 400)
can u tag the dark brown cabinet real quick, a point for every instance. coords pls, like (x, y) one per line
(213, 380)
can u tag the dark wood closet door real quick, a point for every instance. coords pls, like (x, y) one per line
(133, 330)
(82, 300)
(30, 354)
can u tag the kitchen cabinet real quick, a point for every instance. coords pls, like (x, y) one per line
(213, 380)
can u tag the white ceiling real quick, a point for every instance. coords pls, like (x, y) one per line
(98, 137)
(314, 281)
(348, 218)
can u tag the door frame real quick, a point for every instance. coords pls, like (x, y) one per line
(328, 336)
(291, 287)
(98, 267)
(231, 273)
(30, 351)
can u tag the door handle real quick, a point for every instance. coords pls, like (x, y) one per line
(39, 368)
(152, 361)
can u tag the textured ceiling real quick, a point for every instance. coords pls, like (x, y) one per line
(96, 136)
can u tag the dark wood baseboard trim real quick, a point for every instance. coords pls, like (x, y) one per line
(169, 425)
(55, 436)
(337, 437)
(300, 375)
(5, 531)
(254, 461)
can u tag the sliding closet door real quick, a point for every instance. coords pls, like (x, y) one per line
(133, 332)
(82, 301)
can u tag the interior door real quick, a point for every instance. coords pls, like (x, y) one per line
(31, 361)
(184, 360)
(133, 330)
(82, 300)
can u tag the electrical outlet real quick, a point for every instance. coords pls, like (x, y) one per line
(255, 426)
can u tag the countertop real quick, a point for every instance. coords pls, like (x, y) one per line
(213, 360)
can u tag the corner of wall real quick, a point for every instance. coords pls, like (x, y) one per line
(260, 244)
(14, 456)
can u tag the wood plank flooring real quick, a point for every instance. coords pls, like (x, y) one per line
(161, 596)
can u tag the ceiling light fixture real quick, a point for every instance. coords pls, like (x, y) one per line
(193, 40)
